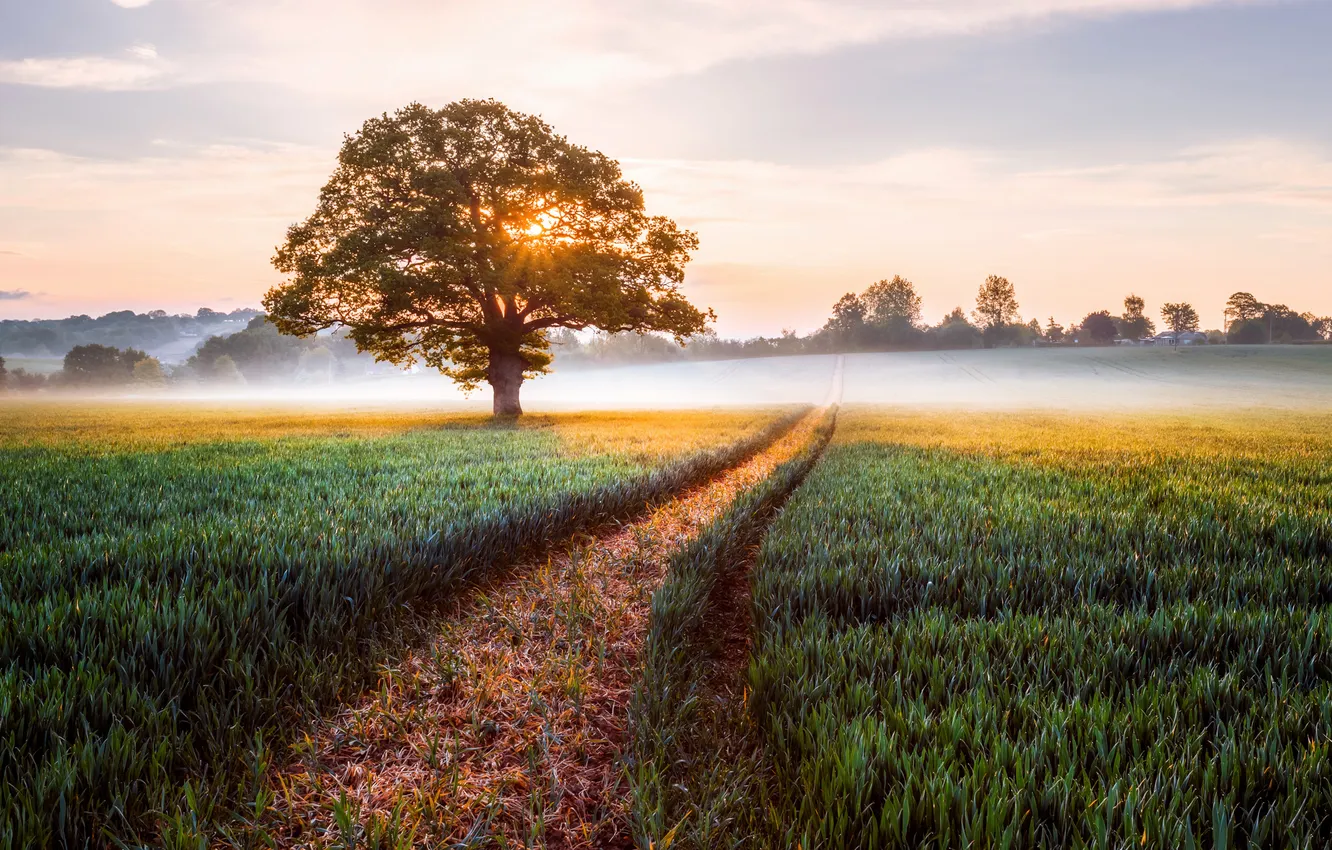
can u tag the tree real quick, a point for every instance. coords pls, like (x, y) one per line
(996, 308)
(100, 364)
(847, 323)
(4, 375)
(1054, 332)
(459, 236)
(318, 364)
(1322, 325)
(225, 371)
(1098, 328)
(148, 372)
(1180, 317)
(1134, 324)
(889, 301)
(1276, 323)
(954, 331)
(1243, 307)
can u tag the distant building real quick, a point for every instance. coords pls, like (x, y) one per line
(1172, 338)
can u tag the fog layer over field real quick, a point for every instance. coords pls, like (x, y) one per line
(1110, 378)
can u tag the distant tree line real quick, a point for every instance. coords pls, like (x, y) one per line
(121, 329)
(887, 317)
(257, 354)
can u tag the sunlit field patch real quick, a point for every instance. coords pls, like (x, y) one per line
(172, 590)
(1045, 630)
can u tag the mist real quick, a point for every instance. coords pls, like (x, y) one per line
(1089, 379)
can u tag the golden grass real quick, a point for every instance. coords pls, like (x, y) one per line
(1251, 433)
(509, 722)
(149, 425)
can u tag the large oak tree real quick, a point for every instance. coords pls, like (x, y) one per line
(459, 236)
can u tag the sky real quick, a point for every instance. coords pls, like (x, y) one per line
(153, 152)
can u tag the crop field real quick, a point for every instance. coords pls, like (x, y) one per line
(177, 583)
(1031, 630)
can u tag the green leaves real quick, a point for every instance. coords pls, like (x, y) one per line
(450, 235)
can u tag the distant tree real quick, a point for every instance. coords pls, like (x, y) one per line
(1180, 317)
(1134, 324)
(1242, 307)
(1098, 328)
(954, 331)
(1250, 332)
(847, 323)
(25, 381)
(4, 376)
(260, 351)
(317, 363)
(460, 236)
(100, 364)
(1322, 325)
(890, 301)
(1054, 332)
(225, 371)
(996, 303)
(148, 373)
(1285, 325)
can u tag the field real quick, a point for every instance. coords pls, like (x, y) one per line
(179, 583)
(1032, 630)
(1047, 599)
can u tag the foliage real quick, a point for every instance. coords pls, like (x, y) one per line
(1242, 307)
(93, 364)
(459, 236)
(169, 595)
(891, 302)
(120, 329)
(1278, 323)
(148, 373)
(1098, 329)
(4, 375)
(1054, 332)
(996, 304)
(1027, 631)
(1134, 324)
(261, 353)
(1180, 317)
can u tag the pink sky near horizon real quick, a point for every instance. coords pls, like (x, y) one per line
(175, 223)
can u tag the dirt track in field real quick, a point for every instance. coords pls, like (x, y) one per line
(506, 728)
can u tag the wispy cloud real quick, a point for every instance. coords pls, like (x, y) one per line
(143, 70)
(517, 47)
(131, 4)
(14, 294)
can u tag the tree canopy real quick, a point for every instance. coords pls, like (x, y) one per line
(996, 303)
(1134, 324)
(889, 301)
(459, 236)
(1098, 328)
(1180, 317)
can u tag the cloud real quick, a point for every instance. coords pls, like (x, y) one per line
(205, 220)
(14, 294)
(88, 72)
(517, 47)
(131, 4)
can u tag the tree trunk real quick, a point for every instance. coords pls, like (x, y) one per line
(505, 375)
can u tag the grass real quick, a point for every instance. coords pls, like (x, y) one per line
(507, 726)
(689, 764)
(176, 592)
(1049, 631)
